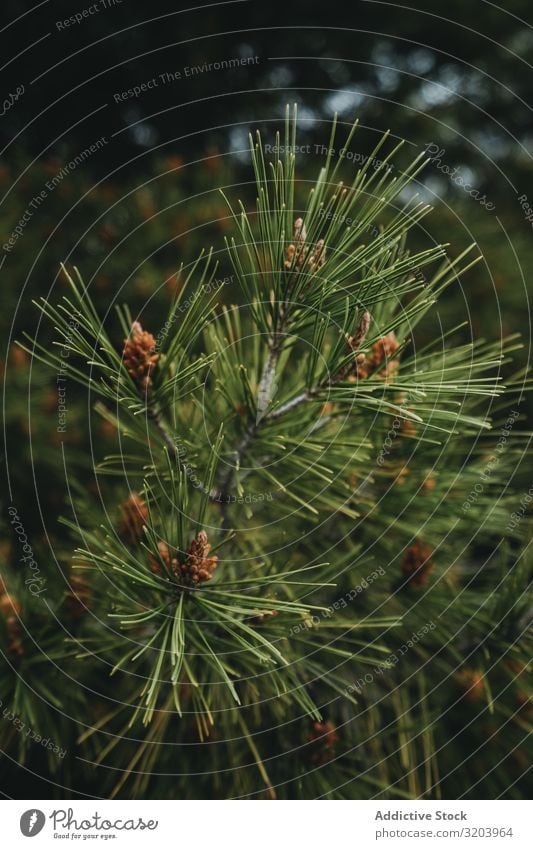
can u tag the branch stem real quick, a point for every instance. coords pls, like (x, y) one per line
(264, 391)
(290, 405)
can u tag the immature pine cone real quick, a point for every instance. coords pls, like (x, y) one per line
(198, 566)
(191, 571)
(473, 683)
(10, 610)
(164, 555)
(324, 738)
(352, 370)
(297, 246)
(297, 251)
(318, 257)
(78, 595)
(134, 518)
(359, 336)
(139, 356)
(417, 564)
(379, 363)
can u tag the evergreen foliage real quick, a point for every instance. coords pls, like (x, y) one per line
(303, 580)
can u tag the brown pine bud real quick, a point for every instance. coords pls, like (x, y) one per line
(417, 564)
(78, 595)
(15, 646)
(318, 256)
(524, 703)
(408, 428)
(300, 231)
(198, 566)
(164, 555)
(515, 666)
(134, 518)
(402, 475)
(324, 739)
(297, 248)
(359, 336)
(9, 606)
(189, 570)
(107, 429)
(380, 362)
(262, 617)
(19, 358)
(139, 356)
(357, 367)
(289, 256)
(473, 683)
(10, 611)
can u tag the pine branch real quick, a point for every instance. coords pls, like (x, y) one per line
(264, 392)
(264, 395)
(308, 395)
(207, 625)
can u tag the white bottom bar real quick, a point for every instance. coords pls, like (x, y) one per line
(309, 824)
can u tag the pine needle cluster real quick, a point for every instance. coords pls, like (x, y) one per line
(285, 595)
